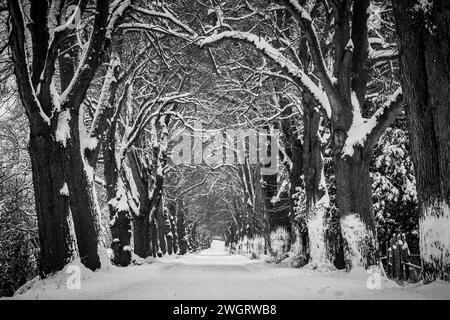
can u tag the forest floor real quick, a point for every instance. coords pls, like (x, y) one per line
(214, 274)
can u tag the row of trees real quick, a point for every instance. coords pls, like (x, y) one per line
(98, 116)
(324, 72)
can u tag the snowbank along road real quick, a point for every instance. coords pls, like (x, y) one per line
(215, 274)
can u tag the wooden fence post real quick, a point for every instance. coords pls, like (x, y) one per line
(391, 257)
(388, 268)
(405, 258)
(397, 262)
(400, 257)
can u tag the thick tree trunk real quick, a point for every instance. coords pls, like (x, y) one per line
(117, 202)
(354, 199)
(147, 231)
(294, 150)
(298, 245)
(181, 230)
(173, 227)
(167, 229)
(156, 251)
(276, 218)
(159, 212)
(141, 236)
(424, 43)
(121, 234)
(169, 242)
(65, 199)
(353, 188)
(141, 223)
(83, 202)
(317, 200)
(270, 188)
(66, 166)
(56, 230)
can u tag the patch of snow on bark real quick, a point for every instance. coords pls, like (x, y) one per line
(355, 234)
(434, 230)
(304, 14)
(115, 17)
(64, 190)
(316, 234)
(361, 128)
(276, 56)
(62, 133)
(349, 46)
(86, 142)
(120, 202)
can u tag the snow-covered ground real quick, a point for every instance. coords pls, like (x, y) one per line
(214, 274)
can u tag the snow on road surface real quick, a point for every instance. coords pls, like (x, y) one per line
(214, 274)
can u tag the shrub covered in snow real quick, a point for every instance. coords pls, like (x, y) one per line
(394, 193)
(279, 240)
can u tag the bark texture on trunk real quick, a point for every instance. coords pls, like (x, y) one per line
(181, 228)
(141, 221)
(141, 236)
(56, 231)
(83, 201)
(63, 181)
(156, 249)
(317, 200)
(354, 200)
(159, 212)
(424, 42)
(346, 93)
(117, 202)
(121, 234)
(173, 226)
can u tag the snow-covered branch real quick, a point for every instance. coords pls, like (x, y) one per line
(382, 55)
(184, 32)
(282, 61)
(365, 133)
(304, 19)
(103, 101)
(21, 63)
(91, 56)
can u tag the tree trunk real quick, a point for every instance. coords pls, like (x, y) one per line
(354, 199)
(173, 227)
(159, 212)
(294, 150)
(117, 202)
(156, 251)
(56, 230)
(83, 202)
(141, 236)
(181, 229)
(167, 229)
(298, 245)
(141, 223)
(424, 43)
(269, 187)
(169, 244)
(121, 234)
(317, 200)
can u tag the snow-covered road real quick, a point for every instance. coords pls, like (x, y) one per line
(214, 274)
